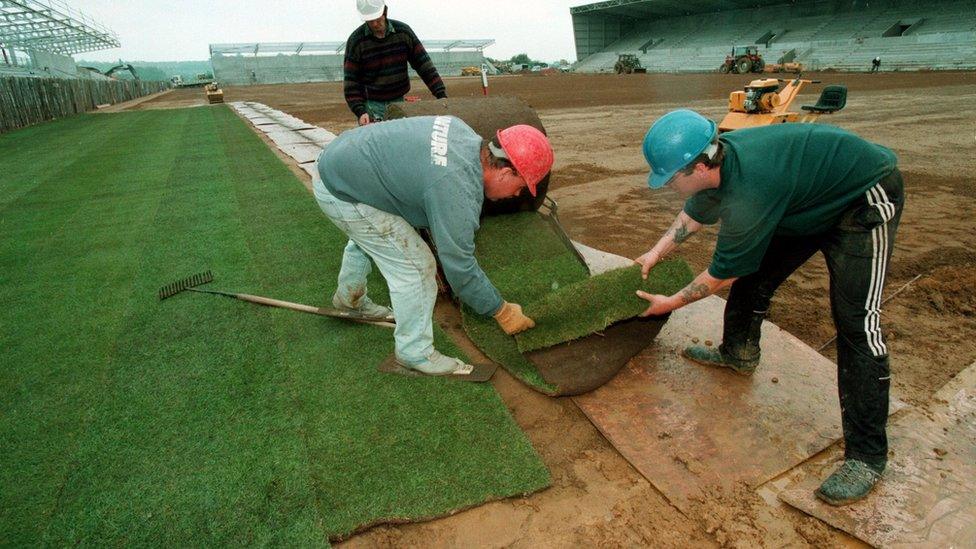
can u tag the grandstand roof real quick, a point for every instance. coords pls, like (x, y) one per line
(660, 8)
(50, 25)
(297, 48)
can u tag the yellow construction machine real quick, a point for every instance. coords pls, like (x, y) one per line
(471, 71)
(767, 101)
(214, 93)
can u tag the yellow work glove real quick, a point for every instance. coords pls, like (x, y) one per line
(511, 319)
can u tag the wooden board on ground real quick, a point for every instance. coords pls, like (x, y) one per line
(247, 112)
(263, 121)
(928, 495)
(691, 429)
(318, 136)
(287, 137)
(311, 168)
(302, 152)
(293, 123)
(269, 127)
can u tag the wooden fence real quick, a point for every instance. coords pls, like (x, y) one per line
(27, 101)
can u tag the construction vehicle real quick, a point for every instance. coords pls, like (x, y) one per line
(743, 59)
(767, 101)
(214, 93)
(120, 67)
(471, 71)
(628, 63)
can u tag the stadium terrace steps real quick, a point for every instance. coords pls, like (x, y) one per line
(941, 37)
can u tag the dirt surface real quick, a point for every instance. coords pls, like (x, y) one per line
(597, 123)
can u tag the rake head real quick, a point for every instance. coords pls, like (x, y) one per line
(170, 290)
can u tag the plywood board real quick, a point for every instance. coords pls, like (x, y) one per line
(248, 112)
(690, 428)
(302, 152)
(262, 121)
(271, 127)
(927, 497)
(319, 136)
(311, 168)
(287, 137)
(598, 261)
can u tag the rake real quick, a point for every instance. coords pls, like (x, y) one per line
(190, 284)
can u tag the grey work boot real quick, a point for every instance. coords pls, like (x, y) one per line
(710, 356)
(439, 365)
(365, 307)
(850, 482)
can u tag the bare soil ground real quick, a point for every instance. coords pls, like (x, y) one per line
(597, 123)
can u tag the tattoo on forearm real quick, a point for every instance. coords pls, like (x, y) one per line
(694, 292)
(681, 233)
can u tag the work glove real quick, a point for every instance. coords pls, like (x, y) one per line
(511, 319)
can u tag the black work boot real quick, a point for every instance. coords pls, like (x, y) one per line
(739, 350)
(710, 356)
(850, 482)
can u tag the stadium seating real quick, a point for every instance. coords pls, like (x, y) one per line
(909, 36)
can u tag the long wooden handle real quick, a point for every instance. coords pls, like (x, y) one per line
(322, 311)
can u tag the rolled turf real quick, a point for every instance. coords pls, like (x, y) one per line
(525, 260)
(531, 265)
(592, 304)
(202, 420)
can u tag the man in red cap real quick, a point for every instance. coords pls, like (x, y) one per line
(380, 183)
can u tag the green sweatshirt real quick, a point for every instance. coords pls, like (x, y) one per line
(787, 179)
(426, 170)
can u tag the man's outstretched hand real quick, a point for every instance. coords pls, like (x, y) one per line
(660, 304)
(647, 262)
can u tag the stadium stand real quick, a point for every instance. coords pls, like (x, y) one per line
(695, 36)
(244, 64)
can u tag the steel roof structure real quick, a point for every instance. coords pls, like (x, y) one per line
(308, 48)
(643, 9)
(50, 25)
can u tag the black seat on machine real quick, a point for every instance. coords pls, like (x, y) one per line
(832, 99)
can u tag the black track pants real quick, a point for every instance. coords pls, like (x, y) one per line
(857, 251)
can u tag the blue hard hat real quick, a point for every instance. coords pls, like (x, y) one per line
(674, 141)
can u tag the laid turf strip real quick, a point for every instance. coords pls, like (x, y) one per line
(203, 420)
(592, 304)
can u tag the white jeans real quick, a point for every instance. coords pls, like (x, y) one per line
(403, 258)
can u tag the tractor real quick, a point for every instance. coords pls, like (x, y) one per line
(628, 63)
(742, 60)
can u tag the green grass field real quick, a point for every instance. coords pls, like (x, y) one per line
(201, 420)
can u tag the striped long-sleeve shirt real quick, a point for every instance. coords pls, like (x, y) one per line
(376, 68)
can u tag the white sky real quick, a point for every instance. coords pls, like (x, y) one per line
(181, 30)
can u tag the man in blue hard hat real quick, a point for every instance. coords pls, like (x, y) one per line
(783, 193)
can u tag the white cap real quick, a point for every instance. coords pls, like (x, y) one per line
(370, 9)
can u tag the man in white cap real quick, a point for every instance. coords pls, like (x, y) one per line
(375, 66)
